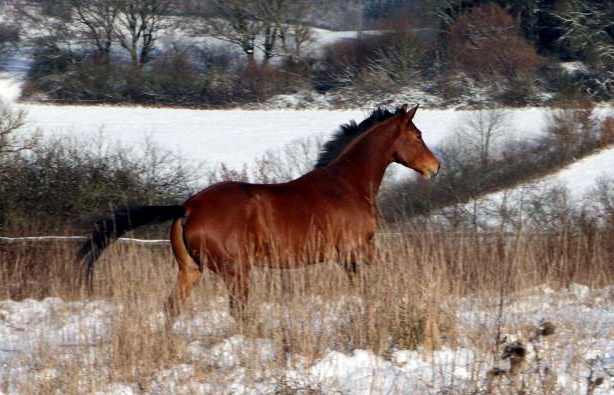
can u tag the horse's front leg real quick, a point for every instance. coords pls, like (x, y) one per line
(361, 254)
(237, 283)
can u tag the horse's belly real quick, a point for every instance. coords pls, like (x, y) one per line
(288, 252)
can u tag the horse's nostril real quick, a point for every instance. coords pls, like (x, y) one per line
(434, 172)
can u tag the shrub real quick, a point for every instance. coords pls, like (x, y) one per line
(486, 42)
(372, 62)
(65, 182)
(10, 124)
(191, 76)
(565, 87)
(607, 135)
(257, 83)
(519, 92)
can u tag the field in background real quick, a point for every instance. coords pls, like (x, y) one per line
(435, 314)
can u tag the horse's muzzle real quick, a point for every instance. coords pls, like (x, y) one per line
(431, 172)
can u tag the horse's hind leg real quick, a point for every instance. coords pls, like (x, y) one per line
(186, 279)
(188, 275)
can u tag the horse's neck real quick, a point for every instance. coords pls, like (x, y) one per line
(364, 162)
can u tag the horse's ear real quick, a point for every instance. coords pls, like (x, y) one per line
(410, 115)
(404, 108)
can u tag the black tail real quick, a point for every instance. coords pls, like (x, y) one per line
(108, 230)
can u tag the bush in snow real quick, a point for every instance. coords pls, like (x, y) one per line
(65, 183)
(373, 62)
(487, 42)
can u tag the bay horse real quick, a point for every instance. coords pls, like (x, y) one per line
(328, 213)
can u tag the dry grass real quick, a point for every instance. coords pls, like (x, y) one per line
(405, 301)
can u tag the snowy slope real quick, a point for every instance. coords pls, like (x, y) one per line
(542, 202)
(578, 178)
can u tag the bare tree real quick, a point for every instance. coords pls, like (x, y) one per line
(588, 28)
(237, 24)
(137, 26)
(443, 12)
(97, 21)
(295, 33)
(271, 14)
(601, 200)
(10, 123)
(9, 31)
(263, 24)
(480, 130)
(9, 36)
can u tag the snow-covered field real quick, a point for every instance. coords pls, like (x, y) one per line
(577, 181)
(235, 137)
(583, 341)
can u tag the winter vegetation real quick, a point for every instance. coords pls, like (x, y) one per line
(216, 54)
(495, 277)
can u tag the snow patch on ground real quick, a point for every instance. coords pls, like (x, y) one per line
(583, 340)
(574, 67)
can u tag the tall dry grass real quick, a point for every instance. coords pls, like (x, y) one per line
(407, 299)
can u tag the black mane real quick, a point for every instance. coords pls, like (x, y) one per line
(348, 132)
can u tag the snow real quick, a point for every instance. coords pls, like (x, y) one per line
(51, 321)
(323, 36)
(578, 177)
(13, 70)
(233, 137)
(213, 321)
(574, 67)
(583, 340)
(365, 373)
(583, 318)
(570, 188)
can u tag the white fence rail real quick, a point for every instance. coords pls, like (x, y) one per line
(67, 238)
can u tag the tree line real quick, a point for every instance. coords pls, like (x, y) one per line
(442, 46)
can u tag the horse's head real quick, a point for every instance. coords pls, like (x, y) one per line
(409, 148)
